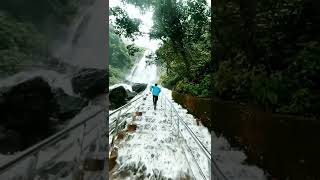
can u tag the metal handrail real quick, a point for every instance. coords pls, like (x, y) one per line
(112, 129)
(140, 95)
(179, 132)
(203, 148)
(220, 175)
(45, 143)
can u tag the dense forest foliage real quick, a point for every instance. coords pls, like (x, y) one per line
(20, 42)
(26, 28)
(265, 52)
(268, 53)
(185, 53)
(121, 57)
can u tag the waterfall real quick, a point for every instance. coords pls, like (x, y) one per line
(85, 44)
(142, 72)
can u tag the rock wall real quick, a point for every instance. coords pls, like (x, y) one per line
(286, 146)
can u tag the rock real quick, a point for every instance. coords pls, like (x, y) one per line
(90, 82)
(138, 87)
(31, 110)
(10, 141)
(26, 104)
(118, 97)
(131, 94)
(67, 106)
(26, 107)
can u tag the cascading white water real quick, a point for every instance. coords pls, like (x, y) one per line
(144, 73)
(85, 44)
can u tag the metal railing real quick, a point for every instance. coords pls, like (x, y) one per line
(34, 151)
(138, 96)
(115, 124)
(212, 165)
(8, 169)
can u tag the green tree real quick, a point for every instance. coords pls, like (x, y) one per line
(121, 57)
(184, 29)
(268, 53)
(24, 34)
(124, 25)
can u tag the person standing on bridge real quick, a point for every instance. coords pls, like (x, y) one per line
(155, 90)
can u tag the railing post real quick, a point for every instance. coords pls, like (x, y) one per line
(115, 129)
(117, 124)
(98, 143)
(82, 140)
(33, 166)
(209, 170)
(79, 170)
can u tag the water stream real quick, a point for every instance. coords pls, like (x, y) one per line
(142, 72)
(85, 44)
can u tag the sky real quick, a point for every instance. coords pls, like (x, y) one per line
(147, 23)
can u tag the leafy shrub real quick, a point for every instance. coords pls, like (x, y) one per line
(264, 88)
(305, 66)
(299, 103)
(115, 75)
(20, 43)
(10, 61)
(201, 90)
(169, 81)
(230, 82)
(285, 91)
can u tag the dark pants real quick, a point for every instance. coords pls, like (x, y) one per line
(155, 99)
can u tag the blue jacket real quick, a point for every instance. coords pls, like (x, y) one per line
(155, 90)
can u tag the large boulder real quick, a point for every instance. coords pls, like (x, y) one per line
(10, 141)
(118, 97)
(90, 82)
(131, 94)
(25, 108)
(31, 110)
(139, 87)
(67, 106)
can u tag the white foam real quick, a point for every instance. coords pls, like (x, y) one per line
(54, 79)
(148, 146)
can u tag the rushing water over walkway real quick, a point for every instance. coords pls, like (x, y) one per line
(155, 148)
(153, 145)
